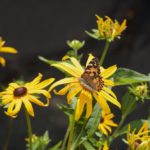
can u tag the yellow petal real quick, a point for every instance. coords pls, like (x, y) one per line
(108, 82)
(109, 98)
(103, 130)
(88, 105)
(89, 59)
(63, 81)
(36, 101)
(64, 90)
(73, 92)
(34, 81)
(79, 108)
(77, 64)
(102, 102)
(43, 84)
(28, 106)
(8, 50)
(70, 69)
(2, 61)
(14, 108)
(109, 92)
(109, 71)
(6, 99)
(44, 92)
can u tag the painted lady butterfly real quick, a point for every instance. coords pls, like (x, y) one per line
(91, 78)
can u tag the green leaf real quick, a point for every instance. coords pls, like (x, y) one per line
(88, 146)
(128, 103)
(94, 120)
(124, 76)
(50, 62)
(94, 35)
(39, 142)
(68, 111)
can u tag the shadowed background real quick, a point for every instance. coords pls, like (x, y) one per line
(41, 27)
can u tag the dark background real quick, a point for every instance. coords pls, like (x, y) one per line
(41, 27)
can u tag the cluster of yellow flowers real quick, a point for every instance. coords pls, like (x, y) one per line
(15, 96)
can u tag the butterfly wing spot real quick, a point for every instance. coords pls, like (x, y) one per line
(91, 78)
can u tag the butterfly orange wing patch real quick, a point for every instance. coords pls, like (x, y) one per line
(91, 75)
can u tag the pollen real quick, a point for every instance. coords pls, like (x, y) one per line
(21, 91)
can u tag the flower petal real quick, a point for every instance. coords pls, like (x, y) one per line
(109, 71)
(8, 50)
(73, 92)
(28, 106)
(79, 108)
(36, 101)
(89, 59)
(102, 102)
(77, 64)
(108, 82)
(44, 83)
(34, 81)
(88, 104)
(2, 61)
(63, 81)
(70, 69)
(64, 90)
(109, 98)
(109, 92)
(14, 108)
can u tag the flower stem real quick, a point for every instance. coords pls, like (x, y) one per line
(66, 137)
(104, 52)
(29, 128)
(70, 140)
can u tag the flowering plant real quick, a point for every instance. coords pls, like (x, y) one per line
(91, 101)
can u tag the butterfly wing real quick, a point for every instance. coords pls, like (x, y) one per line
(91, 75)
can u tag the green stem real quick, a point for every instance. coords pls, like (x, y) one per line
(76, 53)
(77, 143)
(104, 52)
(29, 128)
(70, 140)
(66, 136)
(8, 134)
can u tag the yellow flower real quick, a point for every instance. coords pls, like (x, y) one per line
(109, 30)
(16, 95)
(106, 123)
(5, 49)
(76, 86)
(139, 140)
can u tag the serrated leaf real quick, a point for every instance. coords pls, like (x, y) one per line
(124, 76)
(93, 122)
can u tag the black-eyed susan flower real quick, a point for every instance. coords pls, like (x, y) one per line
(138, 140)
(106, 123)
(86, 84)
(5, 49)
(16, 95)
(107, 29)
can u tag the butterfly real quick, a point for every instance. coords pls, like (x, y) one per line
(91, 76)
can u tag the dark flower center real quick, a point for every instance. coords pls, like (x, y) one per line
(137, 143)
(102, 120)
(21, 91)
